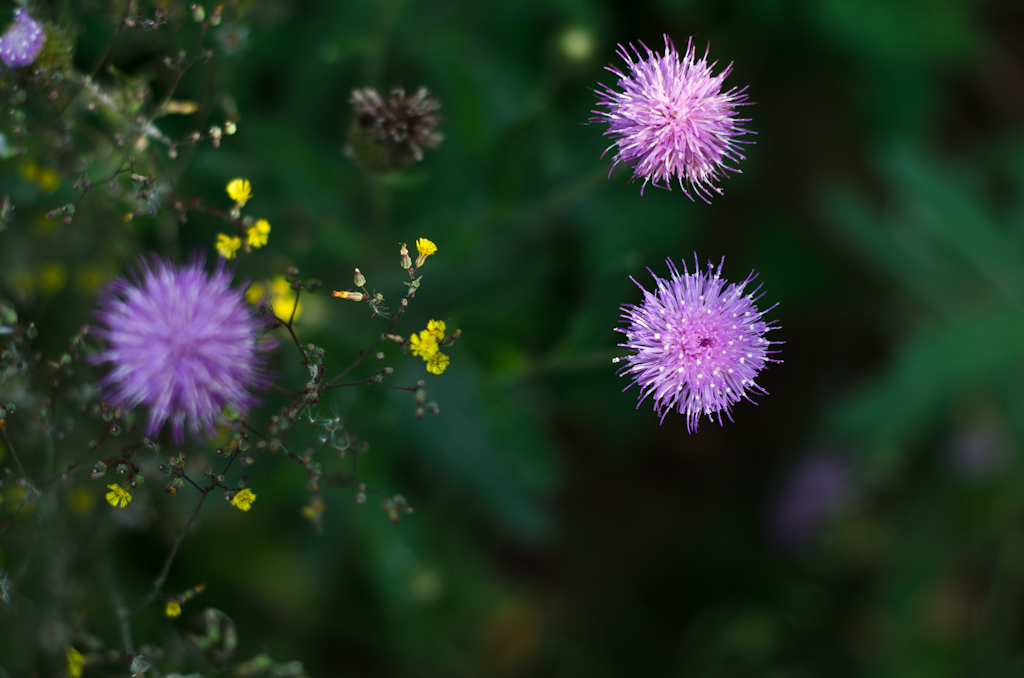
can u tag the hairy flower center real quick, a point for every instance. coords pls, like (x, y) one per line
(693, 344)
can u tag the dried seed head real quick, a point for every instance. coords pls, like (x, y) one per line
(390, 134)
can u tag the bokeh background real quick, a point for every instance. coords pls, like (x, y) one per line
(865, 518)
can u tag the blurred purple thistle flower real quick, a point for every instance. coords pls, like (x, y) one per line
(814, 490)
(671, 119)
(696, 344)
(182, 342)
(21, 43)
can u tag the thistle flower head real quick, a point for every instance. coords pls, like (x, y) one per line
(390, 134)
(696, 343)
(181, 341)
(670, 119)
(22, 41)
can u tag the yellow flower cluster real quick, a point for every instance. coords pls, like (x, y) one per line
(427, 345)
(281, 296)
(46, 178)
(256, 236)
(118, 497)
(243, 499)
(172, 609)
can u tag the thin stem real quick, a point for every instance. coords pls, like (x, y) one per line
(191, 482)
(203, 27)
(295, 306)
(92, 448)
(106, 53)
(30, 494)
(14, 453)
(371, 380)
(124, 620)
(290, 326)
(162, 577)
(89, 185)
(363, 354)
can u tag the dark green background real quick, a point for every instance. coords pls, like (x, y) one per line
(558, 530)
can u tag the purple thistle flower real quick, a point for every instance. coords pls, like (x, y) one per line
(182, 342)
(22, 41)
(696, 343)
(672, 120)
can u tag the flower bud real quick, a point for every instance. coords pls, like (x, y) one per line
(359, 280)
(354, 296)
(448, 341)
(406, 260)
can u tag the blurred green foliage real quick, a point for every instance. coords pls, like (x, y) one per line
(558, 529)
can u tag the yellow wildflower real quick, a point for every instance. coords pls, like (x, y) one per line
(118, 496)
(354, 296)
(243, 499)
(259, 234)
(240, 191)
(423, 345)
(282, 298)
(437, 363)
(75, 661)
(425, 248)
(437, 328)
(227, 245)
(82, 500)
(172, 609)
(52, 277)
(255, 293)
(29, 170)
(49, 180)
(280, 294)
